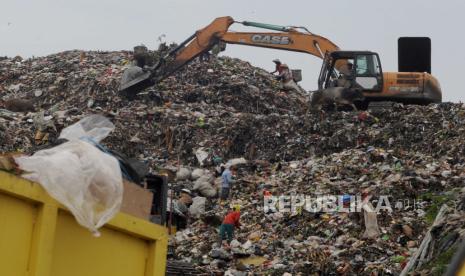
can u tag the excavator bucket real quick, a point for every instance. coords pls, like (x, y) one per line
(135, 80)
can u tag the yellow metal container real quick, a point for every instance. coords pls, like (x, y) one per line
(39, 237)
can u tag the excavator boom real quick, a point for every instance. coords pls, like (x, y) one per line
(290, 41)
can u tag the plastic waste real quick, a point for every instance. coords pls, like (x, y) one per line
(197, 173)
(235, 162)
(398, 259)
(42, 122)
(201, 155)
(204, 187)
(77, 174)
(198, 206)
(371, 222)
(94, 127)
(183, 174)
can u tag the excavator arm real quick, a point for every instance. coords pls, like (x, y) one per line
(290, 41)
(134, 81)
(203, 40)
(287, 38)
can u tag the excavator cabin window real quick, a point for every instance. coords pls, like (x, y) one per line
(368, 73)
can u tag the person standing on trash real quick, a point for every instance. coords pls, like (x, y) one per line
(179, 214)
(227, 181)
(285, 76)
(230, 221)
(278, 67)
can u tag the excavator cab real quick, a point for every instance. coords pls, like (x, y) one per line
(351, 69)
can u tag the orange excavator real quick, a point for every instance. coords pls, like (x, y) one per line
(413, 84)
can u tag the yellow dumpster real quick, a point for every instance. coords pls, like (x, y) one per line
(39, 237)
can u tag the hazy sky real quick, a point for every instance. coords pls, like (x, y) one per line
(41, 27)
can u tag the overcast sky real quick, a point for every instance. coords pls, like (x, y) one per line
(42, 27)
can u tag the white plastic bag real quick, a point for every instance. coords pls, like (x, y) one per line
(80, 176)
(235, 162)
(197, 173)
(201, 155)
(371, 222)
(204, 187)
(95, 127)
(183, 174)
(198, 206)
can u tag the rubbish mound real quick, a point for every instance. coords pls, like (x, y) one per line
(414, 185)
(211, 112)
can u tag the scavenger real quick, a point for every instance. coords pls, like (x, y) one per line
(285, 76)
(177, 210)
(231, 220)
(227, 181)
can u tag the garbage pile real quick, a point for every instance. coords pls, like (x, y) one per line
(225, 109)
(225, 105)
(64, 87)
(414, 186)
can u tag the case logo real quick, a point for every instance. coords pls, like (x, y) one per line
(271, 39)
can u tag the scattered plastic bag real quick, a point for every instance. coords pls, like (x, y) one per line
(183, 174)
(201, 155)
(371, 222)
(94, 127)
(197, 173)
(42, 122)
(198, 206)
(80, 176)
(204, 188)
(204, 185)
(235, 162)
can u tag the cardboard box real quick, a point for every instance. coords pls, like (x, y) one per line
(137, 201)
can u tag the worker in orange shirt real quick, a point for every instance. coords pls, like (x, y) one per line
(231, 220)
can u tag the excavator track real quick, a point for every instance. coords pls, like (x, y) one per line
(174, 267)
(380, 106)
(181, 268)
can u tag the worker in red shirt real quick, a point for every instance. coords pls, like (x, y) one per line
(230, 221)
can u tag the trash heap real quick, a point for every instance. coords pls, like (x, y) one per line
(211, 112)
(69, 85)
(415, 185)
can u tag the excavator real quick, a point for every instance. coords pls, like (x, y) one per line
(413, 84)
